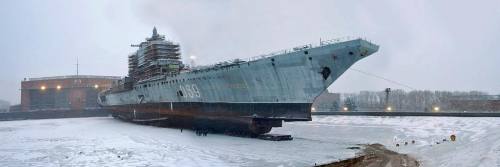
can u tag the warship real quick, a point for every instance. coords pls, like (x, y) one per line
(248, 96)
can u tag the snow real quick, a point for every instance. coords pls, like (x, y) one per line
(478, 139)
(109, 142)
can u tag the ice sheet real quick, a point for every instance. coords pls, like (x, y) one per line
(109, 142)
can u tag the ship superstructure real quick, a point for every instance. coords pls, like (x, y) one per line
(250, 96)
(155, 57)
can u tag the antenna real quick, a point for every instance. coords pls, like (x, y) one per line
(77, 65)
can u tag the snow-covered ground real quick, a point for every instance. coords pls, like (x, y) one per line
(109, 142)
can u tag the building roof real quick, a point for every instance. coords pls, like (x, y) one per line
(75, 77)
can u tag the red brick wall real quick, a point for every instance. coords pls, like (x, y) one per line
(77, 88)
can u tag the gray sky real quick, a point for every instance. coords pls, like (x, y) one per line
(435, 45)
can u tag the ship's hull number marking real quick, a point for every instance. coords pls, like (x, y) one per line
(190, 90)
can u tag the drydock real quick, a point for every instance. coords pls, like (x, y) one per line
(248, 96)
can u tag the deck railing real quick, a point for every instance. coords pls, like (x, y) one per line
(280, 52)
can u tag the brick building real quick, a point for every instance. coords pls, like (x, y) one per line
(327, 102)
(74, 92)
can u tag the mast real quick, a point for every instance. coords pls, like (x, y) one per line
(77, 65)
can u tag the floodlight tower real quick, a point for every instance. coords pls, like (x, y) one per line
(387, 92)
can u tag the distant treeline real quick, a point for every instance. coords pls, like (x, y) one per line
(418, 100)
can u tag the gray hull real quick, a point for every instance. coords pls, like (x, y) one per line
(255, 94)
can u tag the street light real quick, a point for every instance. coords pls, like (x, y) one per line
(192, 59)
(42, 87)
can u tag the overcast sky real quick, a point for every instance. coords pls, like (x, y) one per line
(434, 45)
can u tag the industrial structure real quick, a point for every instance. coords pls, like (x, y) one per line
(74, 92)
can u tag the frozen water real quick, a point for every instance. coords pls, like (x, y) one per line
(109, 142)
(478, 139)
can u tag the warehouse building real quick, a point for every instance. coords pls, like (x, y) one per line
(74, 92)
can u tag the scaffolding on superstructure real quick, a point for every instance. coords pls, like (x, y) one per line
(156, 56)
